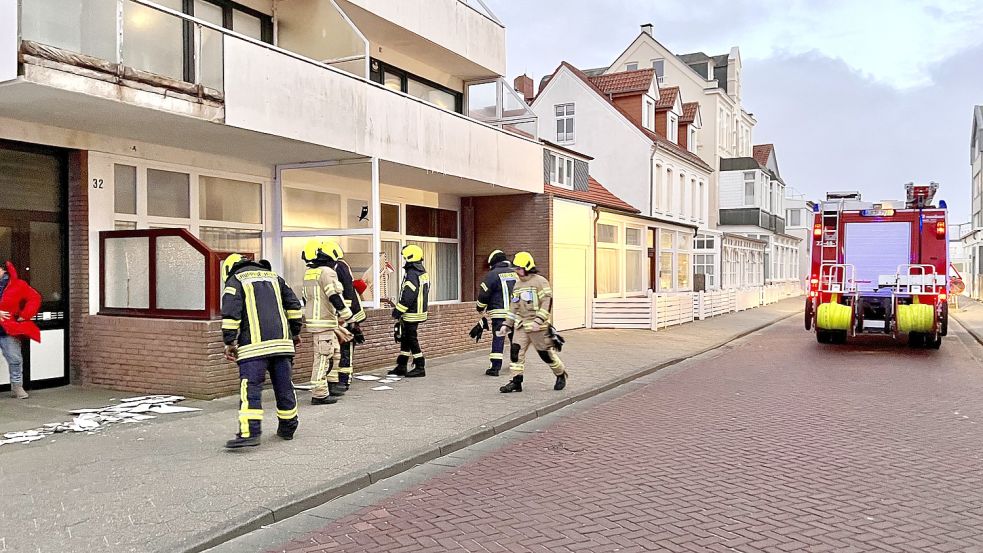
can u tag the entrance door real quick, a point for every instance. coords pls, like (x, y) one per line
(33, 237)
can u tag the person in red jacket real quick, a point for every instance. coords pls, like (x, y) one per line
(19, 303)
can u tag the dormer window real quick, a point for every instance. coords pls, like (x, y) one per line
(710, 71)
(561, 171)
(672, 128)
(691, 140)
(648, 114)
(633, 66)
(660, 69)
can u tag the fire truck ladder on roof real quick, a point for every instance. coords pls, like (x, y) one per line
(829, 247)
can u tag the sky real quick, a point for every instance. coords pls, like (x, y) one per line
(856, 95)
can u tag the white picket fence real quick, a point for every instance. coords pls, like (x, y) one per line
(660, 311)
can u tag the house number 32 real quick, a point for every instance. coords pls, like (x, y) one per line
(97, 183)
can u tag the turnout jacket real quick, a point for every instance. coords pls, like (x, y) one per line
(532, 299)
(349, 293)
(324, 307)
(260, 313)
(414, 295)
(495, 290)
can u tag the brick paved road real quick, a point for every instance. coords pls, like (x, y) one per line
(773, 444)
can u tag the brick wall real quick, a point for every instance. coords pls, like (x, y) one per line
(632, 105)
(78, 254)
(186, 357)
(513, 223)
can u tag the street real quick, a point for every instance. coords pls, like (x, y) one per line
(772, 443)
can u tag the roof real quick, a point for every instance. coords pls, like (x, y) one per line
(625, 82)
(667, 97)
(659, 140)
(761, 153)
(976, 141)
(556, 146)
(595, 194)
(690, 109)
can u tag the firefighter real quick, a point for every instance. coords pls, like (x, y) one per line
(261, 324)
(493, 300)
(324, 311)
(336, 260)
(410, 311)
(529, 318)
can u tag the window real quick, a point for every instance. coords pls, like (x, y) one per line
(441, 261)
(660, 69)
(665, 272)
(564, 123)
(125, 189)
(168, 194)
(608, 271)
(672, 128)
(648, 114)
(607, 233)
(635, 258)
(230, 200)
(703, 265)
(390, 218)
(683, 273)
(794, 217)
(633, 66)
(633, 237)
(561, 171)
(691, 141)
(431, 222)
(703, 242)
(397, 79)
(722, 129)
(749, 181)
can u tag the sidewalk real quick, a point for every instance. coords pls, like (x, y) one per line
(970, 316)
(168, 485)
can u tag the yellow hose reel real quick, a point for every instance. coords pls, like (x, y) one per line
(834, 316)
(917, 317)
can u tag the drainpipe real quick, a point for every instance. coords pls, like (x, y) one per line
(597, 216)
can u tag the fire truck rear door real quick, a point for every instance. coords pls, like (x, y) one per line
(876, 248)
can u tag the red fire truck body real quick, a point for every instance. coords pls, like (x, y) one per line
(876, 268)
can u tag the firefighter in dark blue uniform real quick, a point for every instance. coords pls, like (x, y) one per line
(411, 311)
(261, 324)
(336, 260)
(493, 300)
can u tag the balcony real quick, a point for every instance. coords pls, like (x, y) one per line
(752, 216)
(137, 70)
(469, 39)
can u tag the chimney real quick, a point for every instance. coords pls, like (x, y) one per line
(647, 29)
(525, 86)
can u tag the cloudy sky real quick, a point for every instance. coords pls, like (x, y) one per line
(856, 95)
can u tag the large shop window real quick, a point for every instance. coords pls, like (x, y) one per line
(435, 231)
(228, 216)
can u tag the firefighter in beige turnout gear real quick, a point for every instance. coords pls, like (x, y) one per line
(529, 318)
(325, 311)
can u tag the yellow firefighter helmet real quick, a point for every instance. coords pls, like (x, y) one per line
(412, 253)
(524, 260)
(229, 263)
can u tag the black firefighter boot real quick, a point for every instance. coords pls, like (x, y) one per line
(514, 385)
(239, 442)
(286, 429)
(336, 388)
(419, 370)
(492, 371)
(326, 400)
(398, 371)
(561, 382)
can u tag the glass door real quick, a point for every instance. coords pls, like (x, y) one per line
(33, 238)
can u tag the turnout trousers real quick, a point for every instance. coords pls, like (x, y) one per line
(327, 355)
(252, 374)
(498, 345)
(409, 347)
(541, 342)
(346, 364)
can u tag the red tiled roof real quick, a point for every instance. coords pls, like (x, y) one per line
(624, 82)
(689, 112)
(595, 194)
(667, 97)
(658, 139)
(762, 152)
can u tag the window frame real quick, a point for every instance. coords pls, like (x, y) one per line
(629, 66)
(560, 163)
(568, 116)
(754, 188)
(402, 238)
(672, 127)
(656, 62)
(378, 70)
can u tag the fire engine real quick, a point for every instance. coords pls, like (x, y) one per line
(880, 268)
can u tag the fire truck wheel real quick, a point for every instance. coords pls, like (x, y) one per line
(839, 337)
(808, 310)
(824, 336)
(937, 342)
(916, 340)
(944, 320)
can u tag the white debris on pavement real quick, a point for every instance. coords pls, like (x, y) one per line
(381, 388)
(129, 410)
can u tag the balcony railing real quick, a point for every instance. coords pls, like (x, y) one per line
(480, 7)
(134, 34)
(494, 102)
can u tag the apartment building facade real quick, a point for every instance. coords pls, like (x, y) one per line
(140, 140)
(972, 240)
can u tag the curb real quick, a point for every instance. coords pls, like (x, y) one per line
(972, 332)
(352, 482)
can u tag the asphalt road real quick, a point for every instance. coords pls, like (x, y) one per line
(773, 443)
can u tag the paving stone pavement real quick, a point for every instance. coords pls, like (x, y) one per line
(168, 485)
(969, 313)
(773, 443)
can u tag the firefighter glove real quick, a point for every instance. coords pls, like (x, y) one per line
(396, 314)
(479, 329)
(398, 332)
(296, 340)
(231, 352)
(503, 332)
